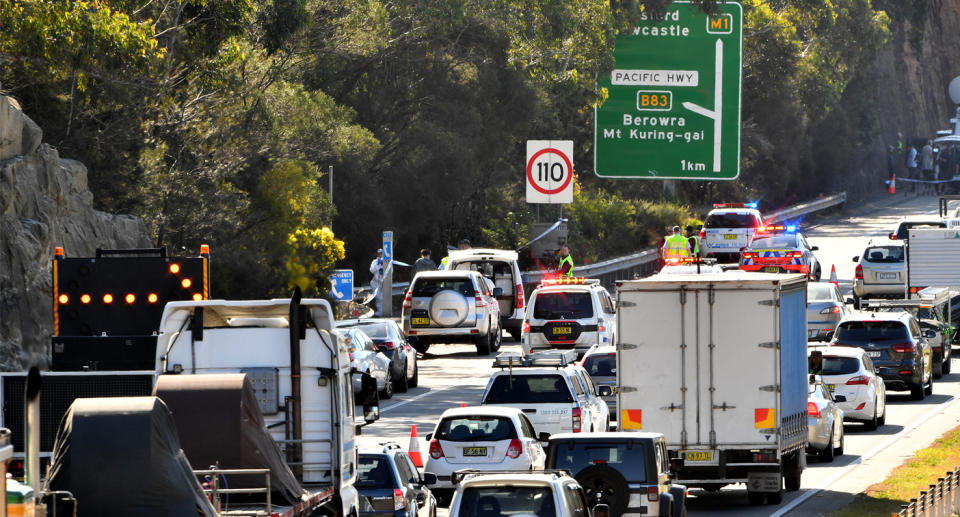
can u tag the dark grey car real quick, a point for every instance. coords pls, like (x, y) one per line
(390, 341)
(825, 308)
(390, 485)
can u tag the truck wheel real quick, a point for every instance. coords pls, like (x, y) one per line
(755, 498)
(792, 472)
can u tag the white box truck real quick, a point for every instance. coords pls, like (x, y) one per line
(718, 364)
(933, 259)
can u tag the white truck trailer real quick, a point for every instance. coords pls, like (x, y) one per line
(300, 370)
(718, 364)
(933, 259)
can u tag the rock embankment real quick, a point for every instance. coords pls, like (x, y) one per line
(44, 203)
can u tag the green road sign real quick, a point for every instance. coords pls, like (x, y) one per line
(673, 110)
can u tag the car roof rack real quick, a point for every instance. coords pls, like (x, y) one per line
(462, 474)
(556, 358)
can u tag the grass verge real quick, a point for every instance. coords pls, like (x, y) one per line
(907, 480)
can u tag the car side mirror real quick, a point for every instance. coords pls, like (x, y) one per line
(428, 437)
(368, 395)
(814, 248)
(604, 391)
(676, 464)
(497, 292)
(429, 478)
(856, 258)
(543, 437)
(892, 236)
(849, 301)
(839, 398)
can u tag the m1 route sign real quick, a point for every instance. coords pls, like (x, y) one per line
(549, 171)
(673, 104)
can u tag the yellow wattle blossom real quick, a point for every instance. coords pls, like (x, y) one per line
(312, 253)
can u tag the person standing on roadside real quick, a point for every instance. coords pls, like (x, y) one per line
(378, 268)
(912, 164)
(891, 162)
(424, 263)
(926, 162)
(677, 246)
(565, 267)
(694, 241)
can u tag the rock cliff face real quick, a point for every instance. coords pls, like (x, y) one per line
(44, 203)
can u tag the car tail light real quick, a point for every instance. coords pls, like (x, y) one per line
(813, 410)
(408, 300)
(904, 348)
(906, 372)
(703, 234)
(861, 406)
(892, 236)
(860, 379)
(389, 345)
(858, 272)
(795, 254)
(436, 452)
(748, 254)
(480, 302)
(601, 328)
(515, 449)
(653, 493)
(577, 420)
(765, 457)
(399, 502)
(526, 326)
(831, 310)
(519, 303)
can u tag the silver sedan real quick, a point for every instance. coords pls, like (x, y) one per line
(825, 421)
(825, 308)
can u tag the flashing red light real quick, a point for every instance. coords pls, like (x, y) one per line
(85, 299)
(130, 298)
(63, 299)
(175, 268)
(197, 297)
(108, 298)
(152, 298)
(186, 283)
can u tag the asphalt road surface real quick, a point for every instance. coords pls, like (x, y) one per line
(451, 375)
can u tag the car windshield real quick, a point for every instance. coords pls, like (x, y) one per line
(373, 471)
(433, 285)
(626, 458)
(528, 389)
(497, 501)
(833, 365)
(476, 429)
(569, 305)
(870, 330)
(730, 220)
(819, 292)
(601, 365)
(374, 329)
(884, 254)
(776, 241)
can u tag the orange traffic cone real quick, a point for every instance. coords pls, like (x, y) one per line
(414, 449)
(833, 276)
(892, 189)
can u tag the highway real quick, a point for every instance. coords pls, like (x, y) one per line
(453, 374)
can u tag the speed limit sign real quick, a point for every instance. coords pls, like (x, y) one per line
(549, 171)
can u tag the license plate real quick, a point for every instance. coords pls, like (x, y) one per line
(831, 387)
(698, 456)
(771, 269)
(420, 321)
(873, 354)
(888, 276)
(730, 237)
(562, 330)
(474, 451)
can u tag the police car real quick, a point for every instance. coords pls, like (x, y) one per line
(727, 229)
(569, 313)
(780, 249)
(554, 392)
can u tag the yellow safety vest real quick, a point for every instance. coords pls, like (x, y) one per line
(677, 247)
(696, 244)
(570, 260)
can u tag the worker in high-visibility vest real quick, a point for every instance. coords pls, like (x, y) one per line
(694, 239)
(676, 246)
(566, 262)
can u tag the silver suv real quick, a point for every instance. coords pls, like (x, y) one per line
(519, 493)
(880, 271)
(452, 307)
(502, 268)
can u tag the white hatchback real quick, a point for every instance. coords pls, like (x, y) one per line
(848, 371)
(481, 438)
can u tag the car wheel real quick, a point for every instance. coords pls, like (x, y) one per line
(401, 385)
(882, 419)
(515, 334)
(497, 339)
(421, 346)
(856, 302)
(917, 392)
(817, 273)
(843, 438)
(946, 364)
(755, 498)
(937, 369)
(443, 496)
(871, 425)
(827, 454)
(604, 484)
(387, 392)
(929, 389)
(415, 380)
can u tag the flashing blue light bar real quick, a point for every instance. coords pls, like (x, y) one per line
(791, 228)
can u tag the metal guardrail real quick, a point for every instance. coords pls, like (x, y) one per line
(941, 499)
(644, 263)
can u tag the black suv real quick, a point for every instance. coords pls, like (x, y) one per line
(390, 485)
(619, 469)
(899, 349)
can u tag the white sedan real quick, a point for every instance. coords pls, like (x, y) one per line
(848, 371)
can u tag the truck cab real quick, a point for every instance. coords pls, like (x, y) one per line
(275, 343)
